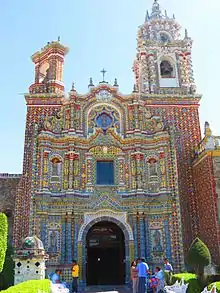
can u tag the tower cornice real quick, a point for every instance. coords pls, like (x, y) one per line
(49, 49)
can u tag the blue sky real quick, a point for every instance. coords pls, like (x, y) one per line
(99, 34)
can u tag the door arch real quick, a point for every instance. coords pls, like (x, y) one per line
(105, 246)
(120, 219)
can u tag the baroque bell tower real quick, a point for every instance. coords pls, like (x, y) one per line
(49, 63)
(164, 82)
(163, 58)
(44, 98)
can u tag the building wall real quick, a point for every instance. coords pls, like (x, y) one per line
(8, 187)
(185, 122)
(205, 173)
(150, 203)
(23, 194)
(216, 199)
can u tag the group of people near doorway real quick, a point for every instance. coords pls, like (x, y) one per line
(140, 275)
(56, 279)
(142, 278)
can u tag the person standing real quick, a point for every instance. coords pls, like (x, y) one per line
(142, 269)
(75, 275)
(134, 277)
(168, 269)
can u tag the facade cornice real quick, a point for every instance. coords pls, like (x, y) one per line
(204, 154)
(59, 99)
(163, 137)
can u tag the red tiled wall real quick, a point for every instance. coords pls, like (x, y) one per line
(185, 121)
(207, 205)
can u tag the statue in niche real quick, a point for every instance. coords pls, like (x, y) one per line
(153, 167)
(104, 120)
(156, 241)
(53, 239)
(55, 168)
(166, 69)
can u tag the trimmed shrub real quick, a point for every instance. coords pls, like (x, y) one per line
(3, 238)
(198, 257)
(7, 275)
(33, 286)
(217, 286)
(191, 279)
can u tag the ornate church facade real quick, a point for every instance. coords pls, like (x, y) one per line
(108, 177)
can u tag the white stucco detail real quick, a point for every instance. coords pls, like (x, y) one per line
(119, 216)
(29, 269)
(169, 82)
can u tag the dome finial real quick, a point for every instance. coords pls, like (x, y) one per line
(156, 11)
(116, 82)
(91, 82)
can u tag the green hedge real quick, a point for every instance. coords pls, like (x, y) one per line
(191, 279)
(33, 286)
(3, 238)
(217, 286)
(7, 275)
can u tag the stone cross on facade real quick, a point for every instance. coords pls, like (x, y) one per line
(103, 71)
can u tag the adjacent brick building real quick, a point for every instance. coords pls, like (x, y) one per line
(8, 187)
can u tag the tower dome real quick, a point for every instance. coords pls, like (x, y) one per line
(32, 243)
(156, 11)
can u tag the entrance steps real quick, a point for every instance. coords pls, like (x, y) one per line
(107, 289)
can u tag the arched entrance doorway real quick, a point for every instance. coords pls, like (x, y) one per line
(105, 246)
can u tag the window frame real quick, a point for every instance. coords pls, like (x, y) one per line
(113, 175)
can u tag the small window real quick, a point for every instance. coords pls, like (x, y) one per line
(55, 169)
(105, 172)
(166, 69)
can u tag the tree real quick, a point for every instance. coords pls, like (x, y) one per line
(3, 238)
(198, 257)
(7, 274)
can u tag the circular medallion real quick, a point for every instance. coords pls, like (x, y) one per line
(104, 121)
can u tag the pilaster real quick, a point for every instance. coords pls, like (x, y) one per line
(142, 237)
